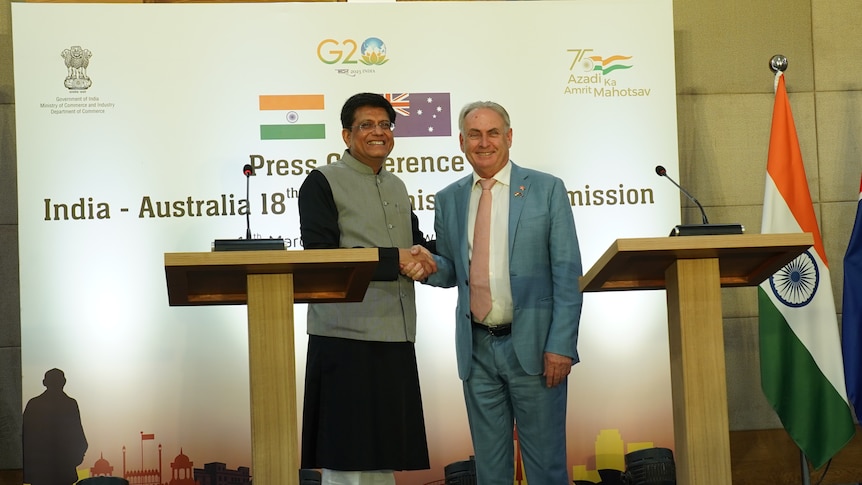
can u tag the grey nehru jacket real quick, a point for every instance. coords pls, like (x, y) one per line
(373, 211)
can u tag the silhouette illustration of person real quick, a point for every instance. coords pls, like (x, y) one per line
(54, 441)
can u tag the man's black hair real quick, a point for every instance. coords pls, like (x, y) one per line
(360, 100)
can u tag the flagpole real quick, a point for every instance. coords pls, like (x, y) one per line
(806, 477)
(777, 64)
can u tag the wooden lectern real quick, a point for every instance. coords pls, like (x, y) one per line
(270, 282)
(693, 269)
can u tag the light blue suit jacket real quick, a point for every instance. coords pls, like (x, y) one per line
(544, 266)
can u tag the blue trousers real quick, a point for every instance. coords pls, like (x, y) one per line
(499, 395)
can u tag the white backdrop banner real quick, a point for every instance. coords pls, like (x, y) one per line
(134, 122)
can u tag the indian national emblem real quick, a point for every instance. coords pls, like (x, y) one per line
(77, 60)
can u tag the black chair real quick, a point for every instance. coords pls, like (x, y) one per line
(461, 472)
(652, 466)
(103, 481)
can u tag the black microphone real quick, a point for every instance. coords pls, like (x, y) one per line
(248, 244)
(663, 173)
(248, 170)
(705, 228)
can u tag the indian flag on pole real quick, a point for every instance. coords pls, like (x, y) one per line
(293, 111)
(801, 368)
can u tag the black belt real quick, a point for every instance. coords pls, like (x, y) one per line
(494, 330)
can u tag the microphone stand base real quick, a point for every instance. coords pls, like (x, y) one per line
(707, 229)
(248, 245)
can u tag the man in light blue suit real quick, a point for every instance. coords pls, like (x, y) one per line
(514, 362)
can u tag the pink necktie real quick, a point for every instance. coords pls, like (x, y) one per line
(480, 284)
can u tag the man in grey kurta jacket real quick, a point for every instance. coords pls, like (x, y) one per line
(362, 413)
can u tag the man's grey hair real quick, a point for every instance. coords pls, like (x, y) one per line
(483, 104)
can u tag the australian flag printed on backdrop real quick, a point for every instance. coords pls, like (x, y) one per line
(421, 114)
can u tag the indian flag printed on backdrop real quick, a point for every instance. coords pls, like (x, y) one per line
(297, 115)
(800, 350)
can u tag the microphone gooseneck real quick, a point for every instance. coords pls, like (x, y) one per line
(663, 173)
(248, 171)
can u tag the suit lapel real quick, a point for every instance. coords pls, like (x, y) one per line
(462, 211)
(519, 189)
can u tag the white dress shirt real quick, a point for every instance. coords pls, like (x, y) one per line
(501, 290)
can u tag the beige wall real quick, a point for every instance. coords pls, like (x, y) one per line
(10, 322)
(724, 106)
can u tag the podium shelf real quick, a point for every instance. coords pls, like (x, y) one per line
(220, 278)
(744, 259)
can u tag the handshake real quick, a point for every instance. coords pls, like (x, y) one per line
(416, 263)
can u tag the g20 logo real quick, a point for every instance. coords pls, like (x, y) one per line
(372, 51)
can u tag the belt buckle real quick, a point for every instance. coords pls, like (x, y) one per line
(499, 330)
(494, 330)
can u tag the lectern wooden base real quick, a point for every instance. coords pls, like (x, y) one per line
(272, 369)
(270, 282)
(693, 269)
(701, 432)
